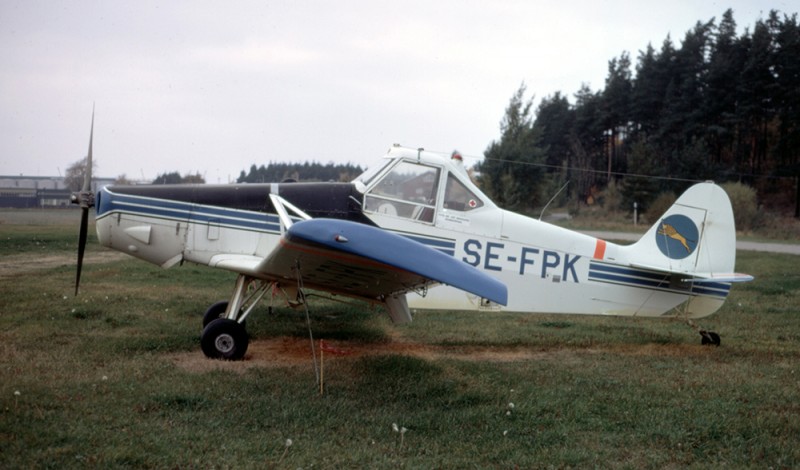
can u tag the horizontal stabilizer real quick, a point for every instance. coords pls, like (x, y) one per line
(698, 278)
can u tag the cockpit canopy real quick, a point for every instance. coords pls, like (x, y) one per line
(416, 185)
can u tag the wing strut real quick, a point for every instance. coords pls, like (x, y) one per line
(281, 205)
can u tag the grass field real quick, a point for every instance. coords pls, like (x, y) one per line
(115, 378)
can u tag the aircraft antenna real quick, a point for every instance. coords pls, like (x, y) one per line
(552, 198)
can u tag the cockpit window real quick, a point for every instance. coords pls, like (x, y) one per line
(458, 197)
(408, 191)
(372, 172)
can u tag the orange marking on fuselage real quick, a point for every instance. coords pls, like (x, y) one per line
(600, 249)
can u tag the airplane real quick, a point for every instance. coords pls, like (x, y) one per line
(414, 232)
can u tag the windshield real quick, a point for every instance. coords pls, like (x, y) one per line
(372, 172)
(408, 191)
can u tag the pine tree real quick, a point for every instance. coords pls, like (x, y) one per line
(725, 63)
(554, 121)
(615, 111)
(511, 172)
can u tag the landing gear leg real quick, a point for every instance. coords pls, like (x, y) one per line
(224, 335)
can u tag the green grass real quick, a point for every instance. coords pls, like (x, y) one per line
(93, 381)
(38, 240)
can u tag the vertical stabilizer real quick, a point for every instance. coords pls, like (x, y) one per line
(695, 236)
(696, 240)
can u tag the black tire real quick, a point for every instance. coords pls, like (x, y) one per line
(216, 310)
(224, 339)
(709, 338)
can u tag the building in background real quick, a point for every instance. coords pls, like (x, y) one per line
(39, 191)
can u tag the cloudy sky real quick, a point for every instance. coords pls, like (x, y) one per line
(213, 87)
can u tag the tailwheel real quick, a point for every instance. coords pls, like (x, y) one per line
(224, 339)
(709, 338)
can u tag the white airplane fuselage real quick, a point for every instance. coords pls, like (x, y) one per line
(432, 200)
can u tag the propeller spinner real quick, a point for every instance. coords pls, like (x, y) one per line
(85, 198)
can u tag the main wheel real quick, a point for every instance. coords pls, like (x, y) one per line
(224, 339)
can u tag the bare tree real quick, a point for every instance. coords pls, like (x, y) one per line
(73, 177)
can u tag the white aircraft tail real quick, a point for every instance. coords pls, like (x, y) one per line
(695, 241)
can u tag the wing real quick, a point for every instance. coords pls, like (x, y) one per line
(362, 261)
(371, 262)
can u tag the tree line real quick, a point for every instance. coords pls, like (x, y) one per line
(272, 173)
(174, 177)
(275, 173)
(718, 106)
(313, 171)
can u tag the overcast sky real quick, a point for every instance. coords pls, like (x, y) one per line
(213, 87)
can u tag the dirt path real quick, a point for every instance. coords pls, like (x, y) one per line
(13, 265)
(293, 351)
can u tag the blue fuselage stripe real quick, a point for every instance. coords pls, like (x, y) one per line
(183, 211)
(625, 271)
(652, 280)
(446, 246)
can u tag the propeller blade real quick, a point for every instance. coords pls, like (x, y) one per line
(86, 200)
(87, 175)
(82, 235)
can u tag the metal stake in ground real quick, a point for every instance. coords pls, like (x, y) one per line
(302, 294)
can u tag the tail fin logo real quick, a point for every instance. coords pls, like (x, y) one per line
(677, 236)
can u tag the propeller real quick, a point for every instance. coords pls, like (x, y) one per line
(85, 198)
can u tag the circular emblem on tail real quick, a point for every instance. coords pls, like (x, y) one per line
(677, 236)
